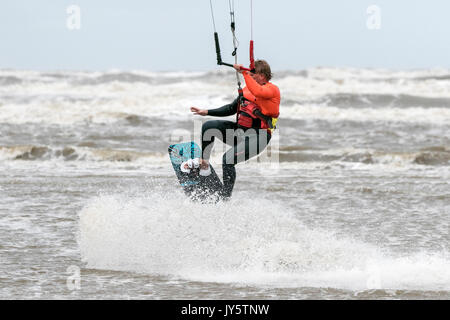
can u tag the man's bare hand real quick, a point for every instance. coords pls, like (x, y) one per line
(238, 67)
(198, 111)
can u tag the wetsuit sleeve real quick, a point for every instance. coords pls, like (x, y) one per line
(258, 90)
(226, 110)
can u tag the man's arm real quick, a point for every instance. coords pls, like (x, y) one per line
(226, 110)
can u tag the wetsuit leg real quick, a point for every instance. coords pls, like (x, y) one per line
(249, 144)
(229, 178)
(212, 129)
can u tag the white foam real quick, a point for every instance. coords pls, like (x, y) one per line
(439, 116)
(244, 241)
(75, 97)
(326, 81)
(380, 74)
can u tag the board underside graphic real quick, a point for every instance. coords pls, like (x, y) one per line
(195, 186)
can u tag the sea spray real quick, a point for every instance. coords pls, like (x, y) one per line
(244, 241)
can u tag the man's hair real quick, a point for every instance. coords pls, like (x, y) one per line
(262, 67)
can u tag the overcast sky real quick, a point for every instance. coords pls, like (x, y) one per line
(178, 34)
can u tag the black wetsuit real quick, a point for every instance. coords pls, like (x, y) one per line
(245, 142)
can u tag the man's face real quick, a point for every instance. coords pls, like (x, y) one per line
(260, 78)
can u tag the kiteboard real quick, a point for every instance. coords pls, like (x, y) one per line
(195, 186)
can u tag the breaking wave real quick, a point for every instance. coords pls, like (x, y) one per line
(320, 93)
(425, 156)
(76, 154)
(433, 156)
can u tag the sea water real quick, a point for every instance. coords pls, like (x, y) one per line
(352, 201)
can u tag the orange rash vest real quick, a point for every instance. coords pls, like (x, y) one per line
(266, 96)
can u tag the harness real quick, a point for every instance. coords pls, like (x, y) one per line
(250, 116)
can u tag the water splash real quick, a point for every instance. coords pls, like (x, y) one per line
(245, 241)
